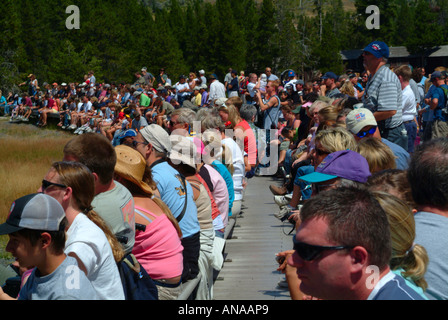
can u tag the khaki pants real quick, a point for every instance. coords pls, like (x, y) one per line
(439, 129)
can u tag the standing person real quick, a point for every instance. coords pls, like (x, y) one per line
(270, 75)
(157, 241)
(228, 78)
(383, 95)
(217, 90)
(36, 227)
(112, 201)
(72, 185)
(270, 108)
(232, 86)
(32, 84)
(436, 102)
(404, 74)
(337, 265)
(153, 142)
(202, 77)
(427, 175)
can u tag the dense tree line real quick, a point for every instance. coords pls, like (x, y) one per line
(117, 37)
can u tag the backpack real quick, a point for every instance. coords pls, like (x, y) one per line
(137, 284)
(445, 107)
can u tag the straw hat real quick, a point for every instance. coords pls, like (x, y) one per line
(131, 166)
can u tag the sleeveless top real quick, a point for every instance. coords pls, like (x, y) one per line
(158, 248)
(204, 205)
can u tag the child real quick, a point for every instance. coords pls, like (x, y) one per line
(36, 228)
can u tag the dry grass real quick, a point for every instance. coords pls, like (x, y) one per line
(25, 157)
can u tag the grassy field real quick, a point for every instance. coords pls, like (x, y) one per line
(25, 157)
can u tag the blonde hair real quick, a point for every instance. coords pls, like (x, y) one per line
(410, 257)
(232, 111)
(336, 139)
(378, 154)
(329, 115)
(82, 182)
(348, 88)
(395, 182)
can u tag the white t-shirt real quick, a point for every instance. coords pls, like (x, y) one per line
(90, 244)
(238, 165)
(409, 104)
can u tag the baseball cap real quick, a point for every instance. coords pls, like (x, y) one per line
(346, 164)
(291, 73)
(378, 48)
(358, 119)
(158, 137)
(127, 133)
(184, 151)
(330, 75)
(297, 109)
(35, 211)
(437, 74)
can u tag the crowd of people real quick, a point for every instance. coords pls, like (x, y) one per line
(163, 167)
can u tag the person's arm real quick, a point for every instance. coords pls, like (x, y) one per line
(271, 103)
(383, 115)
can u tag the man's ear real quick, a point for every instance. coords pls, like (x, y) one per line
(359, 258)
(45, 240)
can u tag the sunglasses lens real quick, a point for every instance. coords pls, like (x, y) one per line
(305, 251)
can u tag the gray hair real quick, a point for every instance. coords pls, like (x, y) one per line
(248, 112)
(185, 115)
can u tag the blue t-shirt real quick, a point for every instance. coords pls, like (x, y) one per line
(393, 287)
(402, 160)
(440, 95)
(172, 192)
(224, 172)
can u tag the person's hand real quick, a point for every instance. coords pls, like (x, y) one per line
(282, 259)
(295, 216)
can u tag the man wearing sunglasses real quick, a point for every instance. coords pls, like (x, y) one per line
(362, 124)
(342, 249)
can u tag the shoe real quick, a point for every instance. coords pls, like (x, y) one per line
(283, 284)
(25, 119)
(278, 191)
(284, 211)
(282, 200)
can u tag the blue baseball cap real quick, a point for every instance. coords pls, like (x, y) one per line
(330, 75)
(346, 164)
(127, 133)
(378, 48)
(291, 73)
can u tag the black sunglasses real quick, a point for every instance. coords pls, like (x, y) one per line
(309, 252)
(362, 134)
(46, 184)
(135, 143)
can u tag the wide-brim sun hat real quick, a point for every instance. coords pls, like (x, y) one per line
(131, 166)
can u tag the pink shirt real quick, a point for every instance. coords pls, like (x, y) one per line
(158, 248)
(220, 193)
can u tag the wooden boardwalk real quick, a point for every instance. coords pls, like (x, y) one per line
(249, 271)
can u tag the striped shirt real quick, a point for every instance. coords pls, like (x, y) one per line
(383, 93)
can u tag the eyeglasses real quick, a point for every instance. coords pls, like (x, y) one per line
(309, 252)
(321, 152)
(321, 187)
(135, 143)
(46, 184)
(362, 134)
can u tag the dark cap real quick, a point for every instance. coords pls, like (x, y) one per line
(35, 211)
